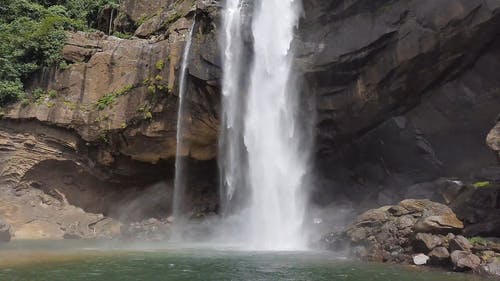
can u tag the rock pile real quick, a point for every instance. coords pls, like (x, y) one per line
(418, 232)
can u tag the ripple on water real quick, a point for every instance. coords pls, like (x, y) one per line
(202, 264)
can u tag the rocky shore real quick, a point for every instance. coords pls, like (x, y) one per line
(419, 232)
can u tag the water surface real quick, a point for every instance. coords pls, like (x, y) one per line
(77, 261)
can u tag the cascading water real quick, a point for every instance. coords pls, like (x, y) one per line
(274, 165)
(180, 177)
(231, 140)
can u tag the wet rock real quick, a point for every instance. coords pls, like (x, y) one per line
(5, 234)
(420, 259)
(147, 230)
(333, 241)
(439, 256)
(463, 261)
(426, 242)
(491, 268)
(460, 243)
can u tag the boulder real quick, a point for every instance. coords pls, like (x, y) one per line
(460, 243)
(439, 256)
(425, 242)
(5, 234)
(420, 259)
(493, 139)
(491, 268)
(447, 222)
(463, 261)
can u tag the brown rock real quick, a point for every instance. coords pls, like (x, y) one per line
(73, 53)
(460, 243)
(425, 242)
(463, 261)
(440, 224)
(439, 256)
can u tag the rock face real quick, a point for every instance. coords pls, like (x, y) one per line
(478, 204)
(400, 100)
(98, 138)
(398, 89)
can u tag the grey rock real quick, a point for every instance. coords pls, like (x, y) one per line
(464, 261)
(491, 268)
(439, 256)
(425, 242)
(460, 243)
(5, 234)
(388, 233)
(420, 259)
(493, 139)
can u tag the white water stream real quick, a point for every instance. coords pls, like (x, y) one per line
(262, 153)
(180, 177)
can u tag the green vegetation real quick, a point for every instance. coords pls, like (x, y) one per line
(145, 112)
(32, 34)
(110, 98)
(481, 184)
(122, 35)
(478, 240)
(39, 97)
(160, 64)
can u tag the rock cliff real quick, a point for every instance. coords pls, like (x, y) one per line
(403, 93)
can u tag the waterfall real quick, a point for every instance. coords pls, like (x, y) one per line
(231, 140)
(180, 177)
(263, 153)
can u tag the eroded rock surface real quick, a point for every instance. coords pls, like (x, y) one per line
(98, 138)
(399, 101)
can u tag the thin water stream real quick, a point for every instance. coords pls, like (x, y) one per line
(180, 177)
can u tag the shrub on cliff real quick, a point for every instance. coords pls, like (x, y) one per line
(32, 34)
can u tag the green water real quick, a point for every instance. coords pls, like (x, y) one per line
(74, 262)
